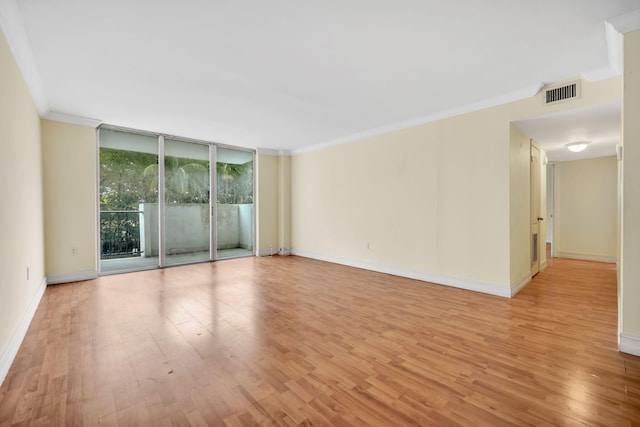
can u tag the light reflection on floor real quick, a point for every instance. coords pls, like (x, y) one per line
(143, 263)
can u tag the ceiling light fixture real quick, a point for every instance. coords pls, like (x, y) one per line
(579, 146)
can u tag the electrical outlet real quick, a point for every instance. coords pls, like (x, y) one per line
(74, 251)
(367, 245)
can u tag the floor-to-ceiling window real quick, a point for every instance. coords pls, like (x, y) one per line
(187, 212)
(234, 202)
(128, 192)
(156, 207)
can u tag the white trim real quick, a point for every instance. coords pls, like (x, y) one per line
(11, 350)
(627, 22)
(520, 286)
(273, 152)
(77, 276)
(543, 266)
(271, 252)
(213, 208)
(71, 119)
(266, 252)
(629, 344)
(438, 279)
(97, 200)
(161, 203)
(587, 257)
(600, 74)
(614, 50)
(517, 95)
(13, 28)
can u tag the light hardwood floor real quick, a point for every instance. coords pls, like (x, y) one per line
(293, 341)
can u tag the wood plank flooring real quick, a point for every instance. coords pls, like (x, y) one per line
(297, 342)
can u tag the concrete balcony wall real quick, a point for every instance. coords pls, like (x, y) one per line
(187, 227)
(245, 223)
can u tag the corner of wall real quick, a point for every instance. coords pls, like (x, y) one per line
(11, 350)
(629, 344)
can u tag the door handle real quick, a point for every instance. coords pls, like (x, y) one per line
(540, 219)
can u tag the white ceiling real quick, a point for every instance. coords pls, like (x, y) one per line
(290, 74)
(598, 124)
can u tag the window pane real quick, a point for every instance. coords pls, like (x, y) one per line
(187, 212)
(234, 203)
(128, 201)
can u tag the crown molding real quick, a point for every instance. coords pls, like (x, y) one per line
(13, 29)
(516, 95)
(12, 26)
(273, 152)
(71, 119)
(627, 23)
(615, 54)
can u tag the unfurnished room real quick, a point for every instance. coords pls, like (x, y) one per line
(319, 213)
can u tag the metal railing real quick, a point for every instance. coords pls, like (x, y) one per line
(120, 234)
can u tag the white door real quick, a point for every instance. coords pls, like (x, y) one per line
(535, 209)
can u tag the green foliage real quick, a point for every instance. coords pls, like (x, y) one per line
(123, 186)
(128, 178)
(235, 183)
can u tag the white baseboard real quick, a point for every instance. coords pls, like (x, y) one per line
(629, 344)
(520, 285)
(11, 350)
(72, 277)
(587, 257)
(271, 252)
(543, 266)
(439, 279)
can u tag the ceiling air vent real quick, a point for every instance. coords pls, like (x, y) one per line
(561, 93)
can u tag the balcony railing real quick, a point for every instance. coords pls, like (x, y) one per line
(120, 234)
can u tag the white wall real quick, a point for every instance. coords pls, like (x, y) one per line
(586, 210)
(549, 211)
(432, 202)
(69, 171)
(402, 202)
(284, 202)
(273, 209)
(544, 224)
(519, 205)
(630, 263)
(266, 201)
(21, 213)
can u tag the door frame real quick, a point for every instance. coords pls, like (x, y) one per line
(535, 194)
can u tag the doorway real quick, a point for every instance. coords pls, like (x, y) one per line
(550, 171)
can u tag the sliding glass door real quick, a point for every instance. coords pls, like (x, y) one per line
(234, 203)
(128, 194)
(187, 212)
(156, 207)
